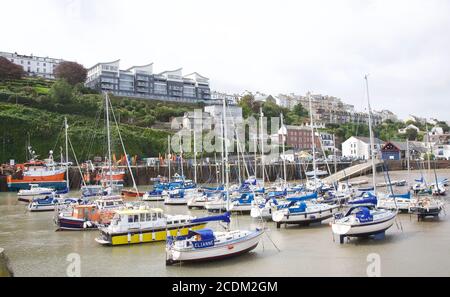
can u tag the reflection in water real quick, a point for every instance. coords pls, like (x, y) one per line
(35, 249)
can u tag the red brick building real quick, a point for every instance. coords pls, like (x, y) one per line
(299, 137)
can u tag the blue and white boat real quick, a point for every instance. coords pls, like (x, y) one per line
(303, 212)
(242, 204)
(402, 202)
(50, 202)
(154, 195)
(208, 245)
(363, 221)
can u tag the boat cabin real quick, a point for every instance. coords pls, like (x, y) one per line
(124, 220)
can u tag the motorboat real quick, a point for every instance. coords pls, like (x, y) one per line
(402, 202)
(141, 225)
(88, 216)
(242, 204)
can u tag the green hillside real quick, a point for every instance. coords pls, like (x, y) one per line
(34, 109)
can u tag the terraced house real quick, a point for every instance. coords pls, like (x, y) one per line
(142, 82)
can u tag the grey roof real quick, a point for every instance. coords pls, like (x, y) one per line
(367, 139)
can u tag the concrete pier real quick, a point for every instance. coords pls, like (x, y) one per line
(5, 269)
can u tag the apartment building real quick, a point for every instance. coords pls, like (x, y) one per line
(142, 82)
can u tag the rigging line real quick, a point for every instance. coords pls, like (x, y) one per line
(57, 139)
(76, 160)
(123, 147)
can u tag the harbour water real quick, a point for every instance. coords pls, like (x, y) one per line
(410, 249)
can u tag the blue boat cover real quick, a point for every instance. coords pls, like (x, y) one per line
(224, 218)
(364, 215)
(406, 195)
(303, 198)
(365, 198)
(300, 208)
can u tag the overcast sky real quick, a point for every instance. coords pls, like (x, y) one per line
(269, 46)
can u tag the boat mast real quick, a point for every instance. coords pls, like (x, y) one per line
(255, 145)
(195, 156)
(262, 146)
(372, 142)
(284, 152)
(221, 150)
(168, 153)
(407, 160)
(313, 138)
(67, 153)
(109, 138)
(181, 160)
(225, 137)
(429, 153)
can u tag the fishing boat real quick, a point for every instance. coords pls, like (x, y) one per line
(145, 224)
(47, 173)
(363, 221)
(208, 245)
(88, 216)
(114, 174)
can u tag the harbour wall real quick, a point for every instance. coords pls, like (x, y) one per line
(212, 173)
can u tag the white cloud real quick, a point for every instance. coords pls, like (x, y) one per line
(271, 46)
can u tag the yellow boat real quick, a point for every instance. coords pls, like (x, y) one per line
(143, 225)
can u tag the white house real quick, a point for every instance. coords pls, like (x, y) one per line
(442, 151)
(359, 147)
(33, 65)
(410, 126)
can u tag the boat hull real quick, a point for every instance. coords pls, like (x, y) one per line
(304, 217)
(363, 230)
(15, 185)
(147, 235)
(215, 253)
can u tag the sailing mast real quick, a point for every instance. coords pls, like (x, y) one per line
(225, 137)
(407, 160)
(372, 142)
(262, 145)
(284, 152)
(67, 153)
(195, 157)
(109, 138)
(168, 153)
(313, 138)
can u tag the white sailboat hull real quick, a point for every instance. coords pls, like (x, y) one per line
(366, 229)
(221, 251)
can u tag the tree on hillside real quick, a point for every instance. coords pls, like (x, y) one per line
(61, 92)
(444, 126)
(9, 70)
(72, 72)
(247, 103)
(298, 115)
(411, 134)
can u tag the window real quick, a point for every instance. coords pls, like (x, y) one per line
(136, 218)
(130, 219)
(143, 217)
